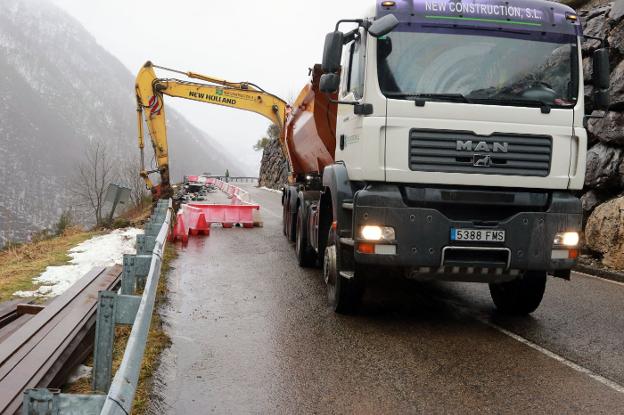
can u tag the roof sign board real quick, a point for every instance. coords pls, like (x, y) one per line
(526, 15)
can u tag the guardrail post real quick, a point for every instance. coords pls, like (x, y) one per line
(135, 269)
(152, 229)
(128, 276)
(40, 401)
(104, 339)
(145, 244)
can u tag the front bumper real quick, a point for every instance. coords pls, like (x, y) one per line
(423, 240)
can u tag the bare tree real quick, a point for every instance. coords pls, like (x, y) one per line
(92, 178)
(129, 177)
(272, 133)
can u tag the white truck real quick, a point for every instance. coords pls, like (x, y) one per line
(444, 140)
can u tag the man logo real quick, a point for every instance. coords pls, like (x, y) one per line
(483, 146)
(480, 160)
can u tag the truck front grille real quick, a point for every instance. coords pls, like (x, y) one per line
(467, 152)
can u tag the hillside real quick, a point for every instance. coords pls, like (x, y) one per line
(62, 91)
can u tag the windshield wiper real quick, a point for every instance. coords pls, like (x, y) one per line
(424, 97)
(517, 102)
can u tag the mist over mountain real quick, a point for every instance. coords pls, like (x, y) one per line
(61, 91)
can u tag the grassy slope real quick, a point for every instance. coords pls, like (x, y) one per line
(19, 265)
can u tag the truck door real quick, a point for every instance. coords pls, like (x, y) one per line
(349, 144)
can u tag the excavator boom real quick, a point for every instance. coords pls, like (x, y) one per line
(150, 106)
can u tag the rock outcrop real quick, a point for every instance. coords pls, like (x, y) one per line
(274, 166)
(604, 181)
(604, 232)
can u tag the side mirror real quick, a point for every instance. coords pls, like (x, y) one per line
(383, 25)
(601, 99)
(332, 52)
(384, 48)
(329, 83)
(601, 70)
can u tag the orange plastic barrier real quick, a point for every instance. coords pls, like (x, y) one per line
(179, 231)
(238, 195)
(194, 219)
(189, 221)
(228, 215)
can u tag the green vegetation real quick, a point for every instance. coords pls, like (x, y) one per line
(272, 133)
(261, 144)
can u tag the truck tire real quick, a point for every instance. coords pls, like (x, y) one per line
(344, 294)
(284, 220)
(288, 219)
(521, 296)
(306, 257)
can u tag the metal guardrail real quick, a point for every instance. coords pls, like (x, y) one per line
(116, 397)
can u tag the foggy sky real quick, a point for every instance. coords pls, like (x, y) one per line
(270, 43)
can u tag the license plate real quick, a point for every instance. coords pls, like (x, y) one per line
(477, 235)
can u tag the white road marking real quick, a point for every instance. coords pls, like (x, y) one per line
(611, 384)
(574, 366)
(598, 278)
(270, 190)
(263, 207)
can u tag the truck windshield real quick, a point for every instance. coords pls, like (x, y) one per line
(479, 66)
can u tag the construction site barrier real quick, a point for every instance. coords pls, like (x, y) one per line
(196, 218)
(238, 195)
(228, 215)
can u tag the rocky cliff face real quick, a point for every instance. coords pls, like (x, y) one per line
(274, 166)
(604, 180)
(60, 92)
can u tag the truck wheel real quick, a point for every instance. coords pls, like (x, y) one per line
(521, 296)
(284, 224)
(305, 255)
(344, 294)
(288, 221)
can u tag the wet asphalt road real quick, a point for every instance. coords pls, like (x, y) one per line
(252, 333)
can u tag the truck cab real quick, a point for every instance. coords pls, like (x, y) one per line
(460, 142)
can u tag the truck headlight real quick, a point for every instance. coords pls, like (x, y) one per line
(567, 239)
(377, 233)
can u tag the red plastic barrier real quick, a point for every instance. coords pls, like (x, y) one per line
(228, 215)
(180, 231)
(189, 220)
(239, 196)
(196, 218)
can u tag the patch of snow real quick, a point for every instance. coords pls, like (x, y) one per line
(80, 372)
(271, 190)
(100, 251)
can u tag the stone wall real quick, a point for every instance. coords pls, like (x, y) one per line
(604, 180)
(605, 159)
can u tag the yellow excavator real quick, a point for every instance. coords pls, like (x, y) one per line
(150, 105)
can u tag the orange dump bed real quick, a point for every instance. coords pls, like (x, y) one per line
(311, 129)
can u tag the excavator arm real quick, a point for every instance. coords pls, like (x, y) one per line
(150, 106)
